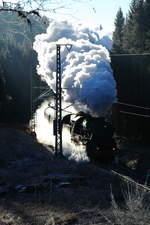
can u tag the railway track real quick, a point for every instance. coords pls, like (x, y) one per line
(127, 175)
(131, 181)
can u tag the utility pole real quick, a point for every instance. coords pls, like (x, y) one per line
(58, 102)
(58, 112)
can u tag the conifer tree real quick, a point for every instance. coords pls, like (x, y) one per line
(118, 33)
(147, 25)
(134, 32)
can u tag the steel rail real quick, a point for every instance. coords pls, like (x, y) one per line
(130, 180)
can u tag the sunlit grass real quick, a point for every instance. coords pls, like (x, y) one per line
(135, 210)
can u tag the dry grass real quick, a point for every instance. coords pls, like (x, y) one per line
(63, 220)
(136, 210)
(23, 161)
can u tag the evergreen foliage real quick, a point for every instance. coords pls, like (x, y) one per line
(17, 65)
(118, 33)
(136, 30)
(147, 25)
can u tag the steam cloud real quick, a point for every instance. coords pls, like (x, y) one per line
(87, 78)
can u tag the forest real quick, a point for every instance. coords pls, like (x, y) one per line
(18, 65)
(132, 32)
(18, 60)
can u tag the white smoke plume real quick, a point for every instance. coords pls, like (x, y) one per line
(87, 77)
(44, 134)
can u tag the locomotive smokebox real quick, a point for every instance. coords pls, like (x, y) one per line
(96, 134)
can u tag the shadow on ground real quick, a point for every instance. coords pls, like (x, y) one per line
(24, 162)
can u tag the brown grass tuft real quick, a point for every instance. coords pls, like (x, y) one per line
(136, 210)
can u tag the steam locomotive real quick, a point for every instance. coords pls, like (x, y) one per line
(96, 134)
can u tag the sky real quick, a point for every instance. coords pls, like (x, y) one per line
(90, 12)
(94, 12)
(103, 12)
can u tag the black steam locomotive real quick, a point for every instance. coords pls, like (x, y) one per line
(96, 134)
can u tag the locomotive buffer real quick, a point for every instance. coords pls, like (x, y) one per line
(58, 103)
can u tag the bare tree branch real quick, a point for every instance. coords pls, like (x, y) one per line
(24, 8)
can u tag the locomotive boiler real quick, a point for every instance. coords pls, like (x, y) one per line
(96, 134)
